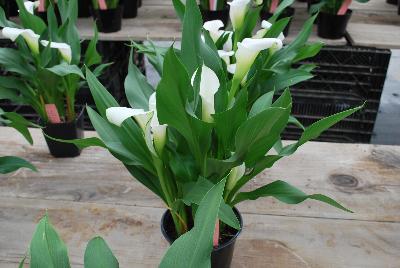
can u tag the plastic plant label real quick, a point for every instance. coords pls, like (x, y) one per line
(42, 6)
(216, 234)
(52, 113)
(345, 6)
(102, 4)
(274, 5)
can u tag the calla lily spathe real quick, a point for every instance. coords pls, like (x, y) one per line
(225, 56)
(31, 6)
(30, 37)
(65, 49)
(248, 50)
(209, 85)
(238, 11)
(235, 175)
(117, 115)
(214, 28)
(266, 25)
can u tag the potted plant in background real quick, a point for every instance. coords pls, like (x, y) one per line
(214, 10)
(108, 15)
(269, 8)
(45, 71)
(333, 17)
(176, 140)
(192, 250)
(130, 8)
(84, 8)
(12, 163)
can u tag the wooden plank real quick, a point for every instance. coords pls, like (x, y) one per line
(364, 178)
(267, 241)
(375, 35)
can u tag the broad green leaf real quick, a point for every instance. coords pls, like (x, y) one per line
(47, 249)
(82, 143)
(308, 51)
(196, 193)
(30, 21)
(137, 89)
(262, 103)
(285, 193)
(314, 130)
(193, 249)
(65, 69)
(279, 81)
(179, 9)
(11, 163)
(277, 28)
(92, 57)
(293, 120)
(12, 61)
(20, 124)
(99, 255)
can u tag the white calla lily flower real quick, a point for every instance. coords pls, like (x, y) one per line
(237, 12)
(30, 37)
(231, 68)
(31, 6)
(117, 115)
(235, 175)
(225, 56)
(228, 46)
(153, 107)
(209, 85)
(214, 28)
(65, 49)
(266, 25)
(159, 138)
(248, 50)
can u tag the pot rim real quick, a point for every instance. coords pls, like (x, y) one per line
(348, 13)
(77, 118)
(231, 241)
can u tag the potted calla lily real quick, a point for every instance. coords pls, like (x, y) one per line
(333, 17)
(108, 15)
(45, 71)
(216, 115)
(214, 10)
(269, 8)
(196, 246)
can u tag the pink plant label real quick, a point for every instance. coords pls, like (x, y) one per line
(213, 5)
(102, 4)
(52, 113)
(216, 234)
(345, 6)
(42, 6)
(274, 5)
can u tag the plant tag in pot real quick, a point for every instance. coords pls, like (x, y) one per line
(52, 113)
(343, 9)
(102, 4)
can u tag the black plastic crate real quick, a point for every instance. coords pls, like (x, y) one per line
(345, 77)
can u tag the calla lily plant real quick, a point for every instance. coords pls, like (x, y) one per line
(46, 65)
(217, 114)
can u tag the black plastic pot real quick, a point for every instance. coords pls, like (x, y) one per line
(130, 9)
(221, 257)
(332, 26)
(398, 7)
(110, 20)
(288, 12)
(12, 8)
(222, 15)
(392, 2)
(139, 3)
(64, 131)
(84, 8)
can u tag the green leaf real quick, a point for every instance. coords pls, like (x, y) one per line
(137, 89)
(314, 130)
(30, 21)
(11, 163)
(308, 51)
(20, 124)
(193, 249)
(93, 57)
(197, 191)
(279, 81)
(293, 120)
(99, 255)
(179, 9)
(284, 4)
(277, 28)
(65, 69)
(12, 61)
(47, 249)
(82, 143)
(285, 193)
(262, 103)
(172, 96)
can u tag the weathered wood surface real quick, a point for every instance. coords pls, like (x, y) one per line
(94, 195)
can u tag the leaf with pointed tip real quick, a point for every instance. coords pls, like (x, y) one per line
(99, 255)
(11, 163)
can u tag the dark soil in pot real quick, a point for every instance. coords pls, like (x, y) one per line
(222, 15)
(288, 12)
(110, 20)
(130, 8)
(221, 257)
(64, 131)
(392, 2)
(84, 8)
(332, 26)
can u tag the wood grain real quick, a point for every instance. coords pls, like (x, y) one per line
(94, 195)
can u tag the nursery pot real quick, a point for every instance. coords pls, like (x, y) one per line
(84, 8)
(222, 15)
(130, 8)
(64, 131)
(110, 20)
(221, 257)
(332, 26)
(139, 3)
(392, 2)
(288, 12)
(12, 8)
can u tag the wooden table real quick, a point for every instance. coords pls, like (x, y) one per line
(94, 195)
